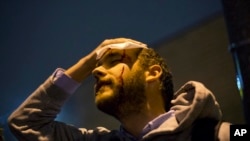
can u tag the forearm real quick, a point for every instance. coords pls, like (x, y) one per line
(82, 68)
(32, 119)
(35, 117)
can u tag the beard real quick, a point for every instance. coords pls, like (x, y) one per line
(127, 98)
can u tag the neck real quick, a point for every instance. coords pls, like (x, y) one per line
(135, 123)
(152, 108)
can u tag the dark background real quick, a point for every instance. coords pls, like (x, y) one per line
(39, 36)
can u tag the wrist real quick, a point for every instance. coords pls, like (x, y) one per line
(82, 68)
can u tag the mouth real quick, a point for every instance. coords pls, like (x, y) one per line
(101, 84)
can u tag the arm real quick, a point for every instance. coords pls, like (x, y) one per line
(34, 118)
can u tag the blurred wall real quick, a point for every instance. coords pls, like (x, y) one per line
(201, 53)
(198, 53)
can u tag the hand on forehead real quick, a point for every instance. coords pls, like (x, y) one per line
(118, 43)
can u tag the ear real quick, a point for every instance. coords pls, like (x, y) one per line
(153, 73)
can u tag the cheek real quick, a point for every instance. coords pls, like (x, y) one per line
(120, 73)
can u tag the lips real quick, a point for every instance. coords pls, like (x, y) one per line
(100, 84)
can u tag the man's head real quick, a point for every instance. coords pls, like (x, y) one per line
(121, 80)
(149, 57)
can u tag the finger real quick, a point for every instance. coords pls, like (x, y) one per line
(118, 40)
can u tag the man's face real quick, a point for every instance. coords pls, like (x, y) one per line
(119, 88)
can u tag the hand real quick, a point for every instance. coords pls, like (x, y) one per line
(85, 65)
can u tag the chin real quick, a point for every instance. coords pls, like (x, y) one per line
(107, 103)
(101, 97)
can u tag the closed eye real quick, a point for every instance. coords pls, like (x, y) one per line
(114, 62)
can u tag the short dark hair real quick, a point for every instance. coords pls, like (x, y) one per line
(149, 57)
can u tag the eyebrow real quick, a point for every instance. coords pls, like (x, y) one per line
(112, 54)
(109, 55)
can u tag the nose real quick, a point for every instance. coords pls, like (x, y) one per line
(99, 72)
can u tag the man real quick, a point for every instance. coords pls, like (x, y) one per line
(134, 85)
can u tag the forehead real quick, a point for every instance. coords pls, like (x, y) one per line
(132, 54)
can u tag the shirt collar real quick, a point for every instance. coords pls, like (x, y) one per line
(155, 123)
